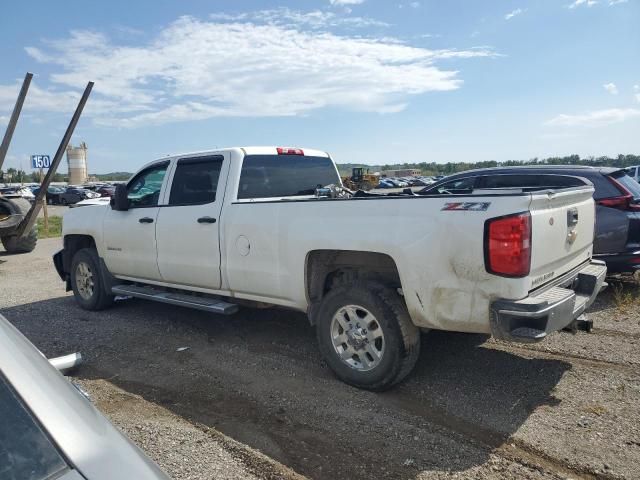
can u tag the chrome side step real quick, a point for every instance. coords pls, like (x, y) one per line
(205, 303)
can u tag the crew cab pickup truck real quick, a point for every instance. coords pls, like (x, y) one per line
(266, 225)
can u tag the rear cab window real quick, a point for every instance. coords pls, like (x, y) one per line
(283, 176)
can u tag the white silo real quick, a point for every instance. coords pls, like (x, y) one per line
(77, 160)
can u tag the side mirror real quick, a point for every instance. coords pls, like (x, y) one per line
(120, 200)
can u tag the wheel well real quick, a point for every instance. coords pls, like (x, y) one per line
(73, 243)
(327, 268)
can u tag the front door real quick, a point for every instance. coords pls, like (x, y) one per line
(187, 230)
(130, 236)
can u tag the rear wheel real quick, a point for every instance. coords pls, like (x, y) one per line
(366, 336)
(86, 281)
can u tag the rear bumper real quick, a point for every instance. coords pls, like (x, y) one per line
(551, 309)
(626, 262)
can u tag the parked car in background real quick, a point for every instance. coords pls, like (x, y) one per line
(384, 183)
(91, 201)
(53, 194)
(49, 429)
(617, 197)
(76, 194)
(19, 191)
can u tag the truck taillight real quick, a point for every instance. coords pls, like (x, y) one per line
(289, 151)
(507, 245)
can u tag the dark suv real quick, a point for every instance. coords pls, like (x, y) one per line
(617, 198)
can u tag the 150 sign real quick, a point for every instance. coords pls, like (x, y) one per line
(40, 161)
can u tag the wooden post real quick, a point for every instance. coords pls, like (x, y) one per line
(30, 219)
(44, 208)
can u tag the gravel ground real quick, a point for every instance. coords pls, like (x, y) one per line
(566, 408)
(185, 451)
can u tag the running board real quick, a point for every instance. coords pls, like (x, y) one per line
(208, 304)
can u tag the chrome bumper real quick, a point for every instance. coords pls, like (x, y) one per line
(552, 309)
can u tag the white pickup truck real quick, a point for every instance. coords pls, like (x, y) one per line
(250, 226)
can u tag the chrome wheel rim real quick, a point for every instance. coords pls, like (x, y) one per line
(84, 280)
(357, 337)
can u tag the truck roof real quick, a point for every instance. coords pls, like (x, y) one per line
(253, 150)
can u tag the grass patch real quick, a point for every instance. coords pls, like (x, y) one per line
(55, 227)
(625, 295)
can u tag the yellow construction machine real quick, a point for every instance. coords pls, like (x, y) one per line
(360, 180)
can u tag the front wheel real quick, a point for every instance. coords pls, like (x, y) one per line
(86, 281)
(366, 336)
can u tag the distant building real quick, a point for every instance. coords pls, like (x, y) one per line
(402, 172)
(77, 160)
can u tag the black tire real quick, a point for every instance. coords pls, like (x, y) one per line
(401, 336)
(95, 298)
(24, 244)
(63, 201)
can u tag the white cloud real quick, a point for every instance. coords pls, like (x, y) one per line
(512, 14)
(316, 19)
(4, 120)
(611, 88)
(414, 4)
(595, 118)
(588, 3)
(637, 97)
(346, 2)
(636, 88)
(236, 67)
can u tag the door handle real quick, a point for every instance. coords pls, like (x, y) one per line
(145, 220)
(206, 220)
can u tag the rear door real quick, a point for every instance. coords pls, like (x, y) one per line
(562, 228)
(187, 230)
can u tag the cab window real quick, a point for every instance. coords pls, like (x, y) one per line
(196, 180)
(144, 189)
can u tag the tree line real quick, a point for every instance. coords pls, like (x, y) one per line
(433, 168)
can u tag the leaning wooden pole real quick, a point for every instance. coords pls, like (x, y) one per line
(30, 218)
(13, 121)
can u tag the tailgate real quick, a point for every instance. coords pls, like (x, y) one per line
(562, 229)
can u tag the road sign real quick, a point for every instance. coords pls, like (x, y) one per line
(40, 161)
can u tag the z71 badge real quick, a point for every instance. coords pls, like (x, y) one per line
(467, 206)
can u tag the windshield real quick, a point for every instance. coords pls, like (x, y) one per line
(271, 176)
